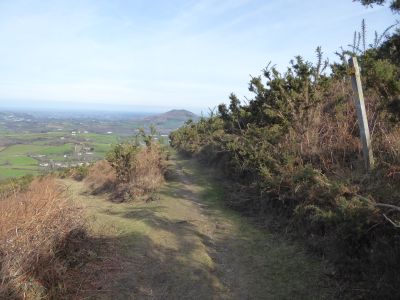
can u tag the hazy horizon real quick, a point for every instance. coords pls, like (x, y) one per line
(28, 106)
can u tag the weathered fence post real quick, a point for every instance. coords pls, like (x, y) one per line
(361, 113)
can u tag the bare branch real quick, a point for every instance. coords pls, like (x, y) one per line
(387, 206)
(392, 208)
(391, 222)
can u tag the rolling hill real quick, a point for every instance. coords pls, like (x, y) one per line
(170, 120)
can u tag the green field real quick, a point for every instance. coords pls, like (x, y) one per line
(33, 149)
(34, 143)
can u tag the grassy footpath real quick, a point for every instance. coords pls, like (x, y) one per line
(188, 245)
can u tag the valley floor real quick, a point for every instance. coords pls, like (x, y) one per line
(188, 245)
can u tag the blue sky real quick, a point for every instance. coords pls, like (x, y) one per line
(156, 55)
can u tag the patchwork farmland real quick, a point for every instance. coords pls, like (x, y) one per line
(33, 143)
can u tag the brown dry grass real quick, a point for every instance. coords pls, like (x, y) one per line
(145, 176)
(101, 177)
(329, 138)
(35, 227)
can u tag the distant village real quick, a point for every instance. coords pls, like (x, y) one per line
(82, 155)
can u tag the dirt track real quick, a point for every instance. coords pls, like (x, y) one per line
(187, 245)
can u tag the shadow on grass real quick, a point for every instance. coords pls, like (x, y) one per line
(157, 272)
(177, 259)
(196, 266)
(135, 266)
(63, 273)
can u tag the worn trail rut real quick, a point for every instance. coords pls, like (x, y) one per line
(188, 245)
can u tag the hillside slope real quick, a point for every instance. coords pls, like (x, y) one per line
(169, 120)
(175, 114)
(188, 245)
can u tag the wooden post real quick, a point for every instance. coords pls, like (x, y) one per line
(361, 113)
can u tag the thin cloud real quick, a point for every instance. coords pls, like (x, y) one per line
(180, 53)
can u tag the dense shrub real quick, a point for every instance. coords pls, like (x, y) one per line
(122, 159)
(131, 170)
(147, 174)
(139, 169)
(295, 146)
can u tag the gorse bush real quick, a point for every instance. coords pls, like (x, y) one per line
(139, 170)
(130, 170)
(147, 174)
(295, 149)
(122, 159)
